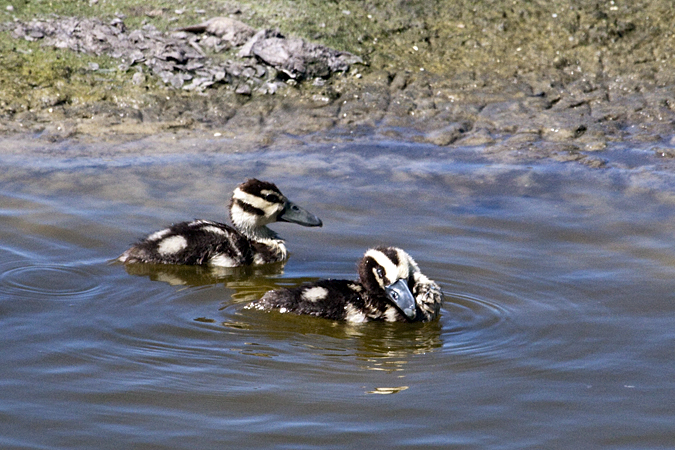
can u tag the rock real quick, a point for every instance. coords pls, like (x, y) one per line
(296, 57)
(400, 81)
(243, 89)
(236, 33)
(138, 78)
(177, 57)
(476, 138)
(510, 116)
(247, 50)
(269, 88)
(446, 135)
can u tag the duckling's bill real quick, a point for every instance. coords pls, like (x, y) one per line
(296, 214)
(400, 294)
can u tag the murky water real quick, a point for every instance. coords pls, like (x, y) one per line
(558, 331)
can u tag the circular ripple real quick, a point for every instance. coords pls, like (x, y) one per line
(475, 325)
(47, 281)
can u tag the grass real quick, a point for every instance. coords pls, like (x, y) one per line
(488, 39)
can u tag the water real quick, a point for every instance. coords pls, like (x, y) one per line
(558, 330)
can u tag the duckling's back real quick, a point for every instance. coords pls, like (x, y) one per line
(196, 242)
(330, 299)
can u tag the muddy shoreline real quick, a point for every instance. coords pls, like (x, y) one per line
(552, 79)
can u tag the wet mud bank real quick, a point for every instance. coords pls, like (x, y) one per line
(560, 79)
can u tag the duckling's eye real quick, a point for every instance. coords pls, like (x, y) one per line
(380, 272)
(271, 198)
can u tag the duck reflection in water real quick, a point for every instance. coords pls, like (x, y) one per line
(180, 275)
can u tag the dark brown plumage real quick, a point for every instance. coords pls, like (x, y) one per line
(390, 288)
(254, 205)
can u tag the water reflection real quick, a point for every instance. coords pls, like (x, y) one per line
(558, 284)
(387, 390)
(180, 275)
(386, 341)
(378, 346)
(466, 319)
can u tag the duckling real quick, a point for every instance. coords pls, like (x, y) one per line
(254, 205)
(391, 288)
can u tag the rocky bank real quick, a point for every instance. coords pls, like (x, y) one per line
(559, 79)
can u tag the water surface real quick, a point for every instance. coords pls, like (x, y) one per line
(558, 330)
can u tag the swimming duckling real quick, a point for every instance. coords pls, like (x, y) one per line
(391, 288)
(254, 205)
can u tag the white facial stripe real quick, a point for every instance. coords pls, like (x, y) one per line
(392, 272)
(242, 219)
(275, 193)
(256, 201)
(172, 245)
(407, 265)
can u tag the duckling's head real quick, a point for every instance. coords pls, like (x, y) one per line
(258, 203)
(393, 273)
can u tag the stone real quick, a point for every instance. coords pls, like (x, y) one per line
(236, 33)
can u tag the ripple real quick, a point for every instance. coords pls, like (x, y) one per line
(476, 326)
(47, 280)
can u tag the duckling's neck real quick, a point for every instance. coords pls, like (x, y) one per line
(253, 226)
(267, 246)
(258, 233)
